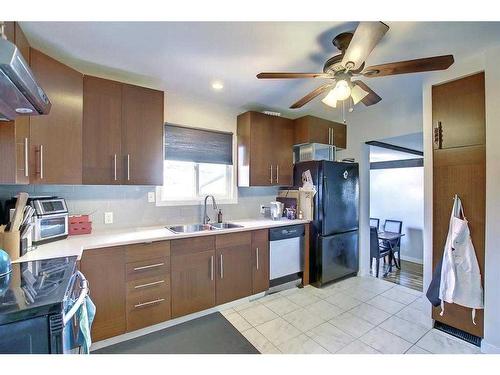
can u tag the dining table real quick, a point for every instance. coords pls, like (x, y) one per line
(393, 239)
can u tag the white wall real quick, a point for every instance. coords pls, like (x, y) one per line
(487, 62)
(406, 187)
(198, 113)
(386, 119)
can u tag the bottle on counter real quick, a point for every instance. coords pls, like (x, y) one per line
(219, 216)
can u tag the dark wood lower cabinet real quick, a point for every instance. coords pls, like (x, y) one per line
(136, 286)
(193, 282)
(260, 261)
(148, 303)
(105, 271)
(234, 272)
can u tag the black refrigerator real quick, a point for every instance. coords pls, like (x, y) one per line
(334, 251)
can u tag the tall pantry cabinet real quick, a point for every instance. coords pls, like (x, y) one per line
(459, 167)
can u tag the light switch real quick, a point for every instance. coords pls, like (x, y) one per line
(108, 218)
(151, 196)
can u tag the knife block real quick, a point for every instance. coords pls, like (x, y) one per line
(10, 242)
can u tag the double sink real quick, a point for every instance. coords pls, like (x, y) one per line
(192, 228)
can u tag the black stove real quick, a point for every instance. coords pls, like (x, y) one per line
(34, 289)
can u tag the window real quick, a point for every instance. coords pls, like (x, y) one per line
(197, 162)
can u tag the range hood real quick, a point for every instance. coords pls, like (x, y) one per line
(20, 94)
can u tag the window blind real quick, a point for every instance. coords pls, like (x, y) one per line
(198, 145)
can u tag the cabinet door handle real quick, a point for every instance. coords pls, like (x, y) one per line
(128, 167)
(26, 164)
(277, 174)
(438, 135)
(212, 267)
(148, 266)
(41, 162)
(271, 169)
(150, 302)
(115, 167)
(149, 284)
(257, 257)
(329, 136)
(221, 267)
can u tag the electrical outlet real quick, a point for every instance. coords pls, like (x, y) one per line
(108, 218)
(151, 197)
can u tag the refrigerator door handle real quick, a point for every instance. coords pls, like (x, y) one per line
(325, 195)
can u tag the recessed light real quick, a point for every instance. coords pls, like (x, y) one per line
(217, 85)
(24, 111)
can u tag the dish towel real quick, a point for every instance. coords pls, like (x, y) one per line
(86, 315)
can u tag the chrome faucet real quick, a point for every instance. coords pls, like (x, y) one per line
(206, 218)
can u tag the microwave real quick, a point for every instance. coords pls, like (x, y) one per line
(50, 219)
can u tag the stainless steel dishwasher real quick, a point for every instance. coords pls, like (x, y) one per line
(286, 247)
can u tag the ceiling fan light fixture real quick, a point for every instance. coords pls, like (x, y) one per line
(357, 94)
(342, 90)
(330, 99)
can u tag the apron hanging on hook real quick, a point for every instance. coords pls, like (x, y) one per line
(460, 273)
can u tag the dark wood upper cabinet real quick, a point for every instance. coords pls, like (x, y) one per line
(14, 135)
(14, 151)
(260, 261)
(264, 150)
(123, 133)
(311, 129)
(142, 135)
(56, 138)
(282, 150)
(105, 271)
(459, 167)
(234, 271)
(102, 122)
(458, 112)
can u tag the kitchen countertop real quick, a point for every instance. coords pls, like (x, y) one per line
(75, 245)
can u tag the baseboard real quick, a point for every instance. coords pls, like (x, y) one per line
(488, 348)
(411, 259)
(170, 323)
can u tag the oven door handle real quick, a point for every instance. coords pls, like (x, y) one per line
(81, 299)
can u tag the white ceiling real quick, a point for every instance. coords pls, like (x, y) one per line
(185, 57)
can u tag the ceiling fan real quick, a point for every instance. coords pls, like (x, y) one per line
(343, 69)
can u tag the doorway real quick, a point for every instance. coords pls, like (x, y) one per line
(396, 209)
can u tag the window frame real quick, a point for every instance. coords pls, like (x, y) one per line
(232, 187)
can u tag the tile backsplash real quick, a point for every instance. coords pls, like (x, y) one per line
(131, 208)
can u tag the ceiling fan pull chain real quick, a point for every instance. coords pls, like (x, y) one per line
(343, 111)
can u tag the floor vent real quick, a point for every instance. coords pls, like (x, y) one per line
(474, 340)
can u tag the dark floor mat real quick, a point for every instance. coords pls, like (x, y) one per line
(210, 334)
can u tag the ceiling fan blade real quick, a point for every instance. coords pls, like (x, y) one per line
(365, 38)
(267, 75)
(371, 98)
(306, 99)
(426, 64)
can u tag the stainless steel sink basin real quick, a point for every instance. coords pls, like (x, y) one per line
(190, 228)
(226, 225)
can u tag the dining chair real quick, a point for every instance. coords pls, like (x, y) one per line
(375, 222)
(394, 226)
(376, 251)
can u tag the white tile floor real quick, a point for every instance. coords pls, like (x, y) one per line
(359, 315)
